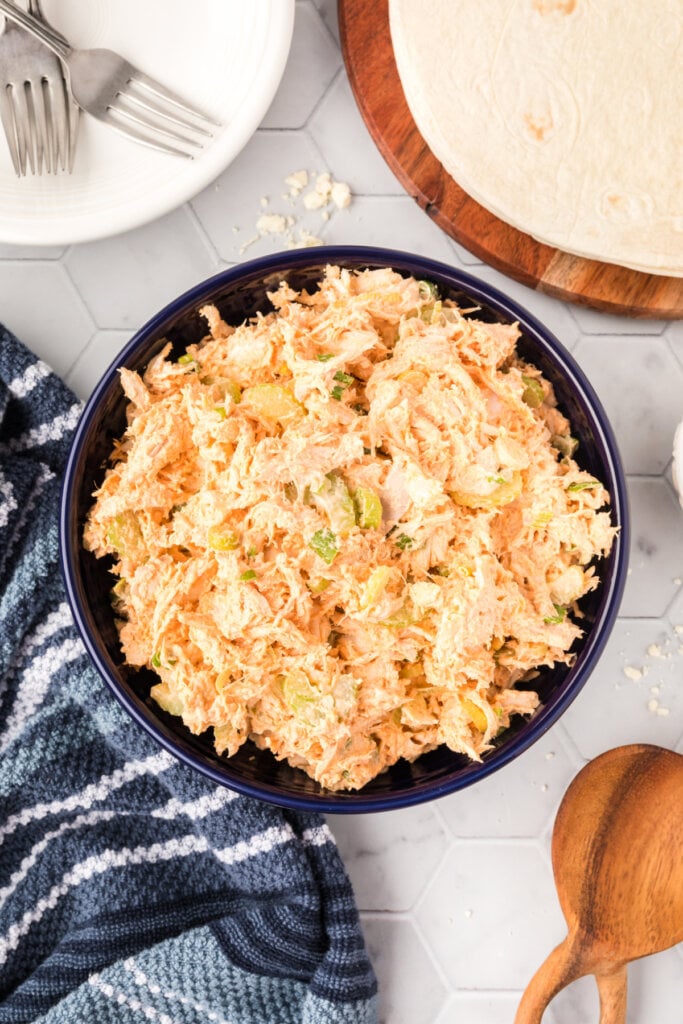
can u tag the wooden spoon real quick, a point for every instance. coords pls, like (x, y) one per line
(617, 855)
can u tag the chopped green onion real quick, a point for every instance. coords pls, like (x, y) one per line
(337, 392)
(533, 394)
(565, 444)
(343, 378)
(319, 586)
(324, 357)
(403, 541)
(221, 539)
(250, 574)
(186, 360)
(251, 552)
(496, 479)
(324, 543)
(581, 485)
(427, 290)
(156, 660)
(220, 409)
(560, 613)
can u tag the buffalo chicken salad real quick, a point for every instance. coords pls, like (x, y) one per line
(350, 529)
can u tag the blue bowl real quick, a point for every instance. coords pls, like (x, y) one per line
(239, 293)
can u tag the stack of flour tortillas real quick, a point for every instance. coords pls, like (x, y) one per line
(562, 117)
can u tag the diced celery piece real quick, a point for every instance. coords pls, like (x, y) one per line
(124, 534)
(249, 574)
(299, 694)
(220, 538)
(318, 586)
(156, 660)
(324, 357)
(533, 394)
(376, 584)
(324, 543)
(166, 700)
(558, 617)
(186, 360)
(333, 498)
(565, 444)
(274, 403)
(231, 390)
(502, 495)
(476, 715)
(368, 508)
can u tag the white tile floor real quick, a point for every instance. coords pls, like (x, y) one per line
(457, 897)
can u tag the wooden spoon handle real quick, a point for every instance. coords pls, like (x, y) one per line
(612, 988)
(559, 970)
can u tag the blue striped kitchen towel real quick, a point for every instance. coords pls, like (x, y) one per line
(131, 889)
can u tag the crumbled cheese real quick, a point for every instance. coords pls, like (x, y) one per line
(652, 705)
(544, 787)
(271, 224)
(297, 182)
(325, 191)
(655, 651)
(678, 629)
(307, 240)
(654, 689)
(677, 581)
(633, 673)
(340, 195)
(550, 755)
(663, 712)
(468, 913)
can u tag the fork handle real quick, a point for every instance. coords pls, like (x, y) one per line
(37, 28)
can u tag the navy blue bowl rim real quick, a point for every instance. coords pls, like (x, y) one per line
(613, 586)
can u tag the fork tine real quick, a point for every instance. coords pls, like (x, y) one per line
(7, 117)
(42, 133)
(18, 101)
(60, 125)
(44, 118)
(145, 82)
(158, 111)
(73, 115)
(121, 122)
(153, 128)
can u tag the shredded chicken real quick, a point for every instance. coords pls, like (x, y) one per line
(349, 528)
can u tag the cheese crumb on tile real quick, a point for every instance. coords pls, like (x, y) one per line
(663, 712)
(264, 202)
(633, 673)
(340, 195)
(655, 690)
(271, 224)
(550, 755)
(655, 651)
(297, 181)
(678, 629)
(652, 705)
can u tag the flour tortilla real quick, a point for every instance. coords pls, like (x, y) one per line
(562, 117)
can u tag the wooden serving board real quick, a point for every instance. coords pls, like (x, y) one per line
(369, 57)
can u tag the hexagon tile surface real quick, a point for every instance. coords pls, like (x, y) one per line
(457, 898)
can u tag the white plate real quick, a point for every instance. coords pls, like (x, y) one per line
(225, 56)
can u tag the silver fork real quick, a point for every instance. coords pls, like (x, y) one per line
(39, 120)
(112, 90)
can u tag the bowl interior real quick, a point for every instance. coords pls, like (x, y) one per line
(238, 294)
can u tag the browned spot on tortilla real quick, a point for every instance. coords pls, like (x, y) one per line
(554, 6)
(538, 126)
